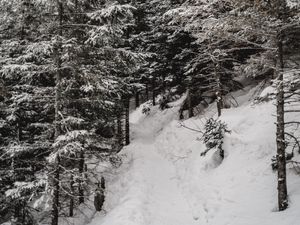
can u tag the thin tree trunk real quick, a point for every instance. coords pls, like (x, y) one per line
(137, 99)
(119, 131)
(127, 128)
(81, 171)
(153, 97)
(189, 101)
(219, 103)
(55, 197)
(218, 91)
(153, 92)
(15, 216)
(147, 91)
(163, 84)
(71, 209)
(280, 138)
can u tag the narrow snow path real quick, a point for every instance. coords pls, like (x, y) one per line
(146, 189)
(164, 202)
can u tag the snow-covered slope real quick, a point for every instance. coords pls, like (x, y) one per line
(165, 181)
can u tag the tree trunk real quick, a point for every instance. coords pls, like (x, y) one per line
(119, 131)
(219, 103)
(137, 99)
(153, 92)
(15, 211)
(218, 90)
(56, 174)
(189, 102)
(280, 138)
(81, 174)
(147, 91)
(55, 195)
(99, 195)
(127, 128)
(71, 209)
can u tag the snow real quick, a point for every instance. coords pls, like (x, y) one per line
(267, 92)
(293, 3)
(164, 181)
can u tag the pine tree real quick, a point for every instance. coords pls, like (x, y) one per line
(96, 74)
(280, 135)
(26, 110)
(281, 13)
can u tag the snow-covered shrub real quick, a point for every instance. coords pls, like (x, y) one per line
(146, 108)
(214, 135)
(115, 160)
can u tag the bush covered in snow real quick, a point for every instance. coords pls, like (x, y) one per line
(146, 108)
(214, 135)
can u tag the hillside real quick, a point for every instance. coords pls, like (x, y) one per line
(165, 181)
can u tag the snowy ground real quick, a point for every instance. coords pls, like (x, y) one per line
(165, 181)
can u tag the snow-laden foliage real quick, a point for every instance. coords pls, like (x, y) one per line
(70, 136)
(23, 188)
(213, 136)
(60, 91)
(115, 14)
(146, 108)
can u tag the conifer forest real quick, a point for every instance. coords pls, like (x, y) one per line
(149, 112)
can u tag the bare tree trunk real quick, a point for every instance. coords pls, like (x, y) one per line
(218, 90)
(127, 128)
(71, 209)
(55, 195)
(219, 103)
(119, 131)
(15, 214)
(280, 137)
(137, 99)
(189, 102)
(153, 92)
(147, 91)
(81, 171)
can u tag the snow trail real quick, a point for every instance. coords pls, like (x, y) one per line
(165, 203)
(151, 194)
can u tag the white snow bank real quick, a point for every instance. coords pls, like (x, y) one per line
(242, 190)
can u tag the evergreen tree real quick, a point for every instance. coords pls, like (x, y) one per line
(65, 69)
(26, 112)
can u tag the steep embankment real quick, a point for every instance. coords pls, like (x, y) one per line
(165, 181)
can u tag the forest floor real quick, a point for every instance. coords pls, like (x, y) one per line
(164, 181)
